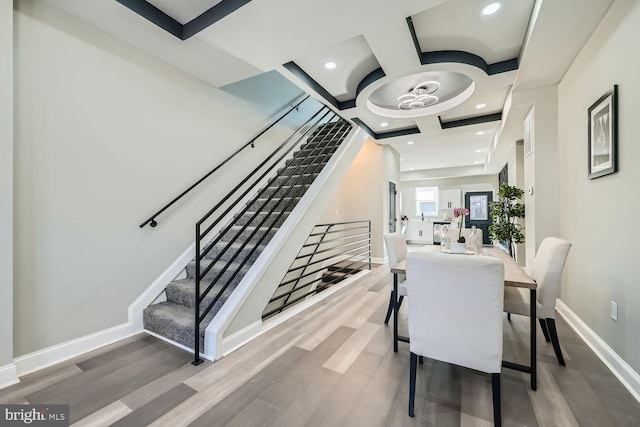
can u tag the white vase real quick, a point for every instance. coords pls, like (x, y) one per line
(458, 248)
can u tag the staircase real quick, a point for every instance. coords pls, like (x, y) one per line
(230, 255)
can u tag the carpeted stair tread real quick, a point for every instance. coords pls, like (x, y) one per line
(175, 322)
(215, 270)
(226, 255)
(251, 219)
(183, 292)
(174, 318)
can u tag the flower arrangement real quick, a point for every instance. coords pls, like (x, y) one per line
(460, 212)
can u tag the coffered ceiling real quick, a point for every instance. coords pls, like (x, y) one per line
(428, 77)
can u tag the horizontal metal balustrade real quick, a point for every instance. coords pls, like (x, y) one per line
(331, 253)
(263, 215)
(233, 233)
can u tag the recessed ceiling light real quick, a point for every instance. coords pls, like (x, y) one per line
(481, 132)
(479, 106)
(384, 124)
(491, 9)
(479, 151)
(410, 143)
(329, 65)
(477, 163)
(410, 169)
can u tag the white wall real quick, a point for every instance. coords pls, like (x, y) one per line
(602, 264)
(360, 196)
(269, 269)
(104, 136)
(542, 170)
(6, 184)
(515, 171)
(391, 168)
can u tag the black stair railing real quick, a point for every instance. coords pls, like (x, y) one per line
(342, 248)
(333, 131)
(251, 143)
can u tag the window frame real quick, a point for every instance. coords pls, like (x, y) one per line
(436, 199)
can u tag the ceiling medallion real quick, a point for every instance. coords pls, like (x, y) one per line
(420, 96)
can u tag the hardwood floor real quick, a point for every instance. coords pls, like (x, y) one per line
(331, 365)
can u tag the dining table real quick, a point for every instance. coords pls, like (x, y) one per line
(514, 276)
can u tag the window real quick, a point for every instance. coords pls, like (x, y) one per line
(427, 201)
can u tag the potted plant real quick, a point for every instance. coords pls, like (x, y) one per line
(504, 213)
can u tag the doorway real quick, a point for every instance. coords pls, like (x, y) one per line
(392, 207)
(478, 204)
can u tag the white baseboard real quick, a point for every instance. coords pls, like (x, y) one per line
(177, 344)
(76, 347)
(240, 338)
(8, 375)
(67, 350)
(621, 369)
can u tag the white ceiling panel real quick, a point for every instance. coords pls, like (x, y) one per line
(362, 35)
(354, 60)
(460, 25)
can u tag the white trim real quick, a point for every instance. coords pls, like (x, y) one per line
(621, 369)
(376, 260)
(213, 343)
(67, 350)
(298, 308)
(175, 343)
(8, 375)
(240, 338)
(59, 353)
(157, 287)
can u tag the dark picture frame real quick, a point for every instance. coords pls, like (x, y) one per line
(603, 135)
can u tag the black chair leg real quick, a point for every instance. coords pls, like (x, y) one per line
(421, 360)
(497, 412)
(553, 334)
(400, 301)
(412, 383)
(390, 309)
(545, 331)
(509, 317)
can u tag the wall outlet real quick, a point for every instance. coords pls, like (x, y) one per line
(613, 311)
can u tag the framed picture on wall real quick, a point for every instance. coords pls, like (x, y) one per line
(603, 135)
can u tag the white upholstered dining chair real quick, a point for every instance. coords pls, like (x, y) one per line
(455, 314)
(396, 251)
(547, 272)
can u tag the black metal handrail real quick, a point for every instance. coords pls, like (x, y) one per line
(347, 257)
(251, 143)
(243, 228)
(334, 131)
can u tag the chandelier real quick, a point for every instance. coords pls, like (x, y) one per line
(420, 96)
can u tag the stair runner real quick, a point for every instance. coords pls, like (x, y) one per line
(174, 318)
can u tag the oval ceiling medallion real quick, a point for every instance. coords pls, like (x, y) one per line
(422, 94)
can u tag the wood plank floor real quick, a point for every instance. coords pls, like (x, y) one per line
(331, 365)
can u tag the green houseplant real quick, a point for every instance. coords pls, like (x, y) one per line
(504, 213)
